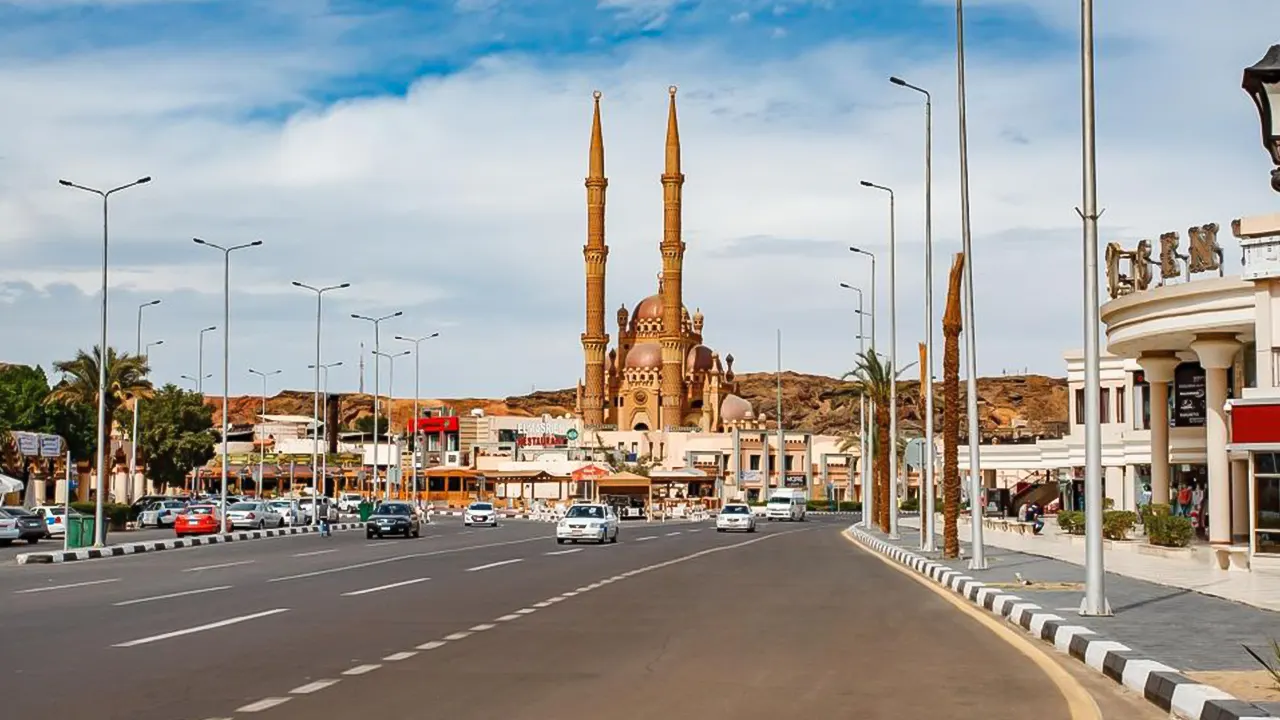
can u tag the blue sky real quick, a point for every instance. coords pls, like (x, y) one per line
(432, 154)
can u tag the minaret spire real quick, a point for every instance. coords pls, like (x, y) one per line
(673, 395)
(595, 255)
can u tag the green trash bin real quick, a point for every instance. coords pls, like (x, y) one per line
(366, 509)
(80, 531)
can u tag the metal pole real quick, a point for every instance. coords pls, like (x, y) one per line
(262, 445)
(66, 505)
(315, 401)
(133, 436)
(868, 500)
(978, 560)
(377, 322)
(893, 373)
(417, 356)
(195, 477)
(782, 438)
(1095, 598)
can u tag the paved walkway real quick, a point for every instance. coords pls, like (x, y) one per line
(1194, 632)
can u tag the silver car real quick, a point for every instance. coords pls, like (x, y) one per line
(253, 515)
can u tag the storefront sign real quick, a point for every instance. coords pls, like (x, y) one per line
(749, 476)
(542, 441)
(28, 442)
(1188, 395)
(589, 472)
(547, 425)
(797, 481)
(50, 446)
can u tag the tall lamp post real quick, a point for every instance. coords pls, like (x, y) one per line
(324, 459)
(226, 361)
(316, 486)
(104, 434)
(862, 398)
(928, 519)
(1262, 82)
(978, 558)
(199, 381)
(869, 499)
(133, 436)
(377, 322)
(892, 442)
(262, 442)
(417, 367)
(391, 400)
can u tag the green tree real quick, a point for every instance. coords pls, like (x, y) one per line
(175, 434)
(23, 390)
(364, 424)
(873, 377)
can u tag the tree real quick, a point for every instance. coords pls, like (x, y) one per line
(873, 377)
(175, 434)
(951, 327)
(364, 424)
(23, 390)
(126, 380)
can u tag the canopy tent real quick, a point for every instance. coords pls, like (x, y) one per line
(10, 485)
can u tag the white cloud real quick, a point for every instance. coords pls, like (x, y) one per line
(462, 202)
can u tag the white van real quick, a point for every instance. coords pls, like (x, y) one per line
(788, 504)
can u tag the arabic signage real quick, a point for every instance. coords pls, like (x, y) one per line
(38, 444)
(1188, 395)
(589, 472)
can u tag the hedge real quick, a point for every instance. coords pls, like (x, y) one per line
(116, 514)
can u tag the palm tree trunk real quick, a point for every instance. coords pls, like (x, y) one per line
(951, 327)
(882, 466)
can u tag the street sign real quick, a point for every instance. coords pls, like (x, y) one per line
(917, 453)
(572, 434)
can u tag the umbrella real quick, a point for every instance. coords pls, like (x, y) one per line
(10, 485)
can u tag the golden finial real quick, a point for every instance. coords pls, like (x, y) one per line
(672, 90)
(597, 94)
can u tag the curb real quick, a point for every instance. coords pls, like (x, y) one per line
(1161, 685)
(44, 558)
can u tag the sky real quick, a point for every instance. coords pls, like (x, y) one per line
(432, 154)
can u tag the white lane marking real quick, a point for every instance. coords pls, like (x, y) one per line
(646, 537)
(500, 563)
(201, 628)
(570, 594)
(315, 552)
(526, 611)
(558, 598)
(457, 636)
(380, 544)
(674, 533)
(312, 687)
(508, 618)
(483, 626)
(380, 588)
(220, 565)
(466, 532)
(431, 645)
(263, 704)
(361, 669)
(396, 657)
(582, 589)
(398, 558)
(698, 530)
(563, 552)
(542, 604)
(173, 595)
(64, 587)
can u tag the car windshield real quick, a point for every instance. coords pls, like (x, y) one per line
(736, 510)
(281, 503)
(200, 510)
(585, 511)
(174, 504)
(780, 501)
(19, 512)
(481, 506)
(244, 506)
(394, 509)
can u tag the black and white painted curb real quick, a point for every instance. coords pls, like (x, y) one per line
(157, 545)
(1160, 684)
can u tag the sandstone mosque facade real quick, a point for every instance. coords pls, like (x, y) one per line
(660, 375)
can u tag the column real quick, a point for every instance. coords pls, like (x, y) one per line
(1240, 502)
(1217, 351)
(1158, 368)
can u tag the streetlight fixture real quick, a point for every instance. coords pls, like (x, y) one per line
(1262, 82)
(262, 444)
(892, 442)
(928, 520)
(199, 381)
(195, 380)
(99, 532)
(417, 367)
(869, 499)
(391, 400)
(316, 487)
(133, 436)
(377, 323)
(862, 398)
(226, 360)
(324, 459)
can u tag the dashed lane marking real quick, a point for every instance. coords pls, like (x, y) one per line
(315, 552)
(397, 657)
(500, 563)
(677, 532)
(172, 595)
(509, 618)
(646, 537)
(201, 628)
(563, 552)
(68, 586)
(457, 636)
(263, 704)
(398, 558)
(483, 626)
(312, 687)
(432, 645)
(380, 588)
(361, 669)
(219, 566)
(526, 611)
(542, 604)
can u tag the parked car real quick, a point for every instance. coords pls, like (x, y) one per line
(197, 520)
(736, 517)
(393, 518)
(253, 515)
(54, 517)
(588, 521)
(349, 502)
(9, 530)
(161, 513)
(291, 510)
(480, 513)
(30, 526)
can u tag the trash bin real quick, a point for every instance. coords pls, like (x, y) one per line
(80, 529)
(366, 509)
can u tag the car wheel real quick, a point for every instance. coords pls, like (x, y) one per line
(719, 529)
(559, 541)
(368, 535)
(32, 541)
(614, 539)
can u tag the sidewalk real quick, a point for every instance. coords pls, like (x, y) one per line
(1199, 635)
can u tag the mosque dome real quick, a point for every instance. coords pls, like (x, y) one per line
(650, 308)
(645, 355)
(735, 409)
(700, 359)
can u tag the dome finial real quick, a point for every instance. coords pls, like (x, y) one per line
(597, 94)
(672, 90)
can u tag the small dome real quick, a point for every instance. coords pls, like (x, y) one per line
(645, 355)
(700, 359)
(734, 409)
(649, 308)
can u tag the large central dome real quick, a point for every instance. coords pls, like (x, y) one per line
(650, 308)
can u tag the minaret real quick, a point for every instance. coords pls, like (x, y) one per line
(672, 286)
(596, 255)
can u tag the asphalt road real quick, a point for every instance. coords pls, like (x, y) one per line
(117, 537)
(673, 621)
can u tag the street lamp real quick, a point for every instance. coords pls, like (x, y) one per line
(927, 524)
(417, 366)
(391, 399)
(862, 398)
(133, 436)
(199, 381)
(226, 359)
(262, 442)
(868, 500)
(315, 405)
(377, 322)
(892, 441)
(324, 459)
(1262, 82)
(99, 532)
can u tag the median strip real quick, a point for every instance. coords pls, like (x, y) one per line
(111, 551)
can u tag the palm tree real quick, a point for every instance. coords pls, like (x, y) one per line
(873, 377)
(951, 327)
(126, 380)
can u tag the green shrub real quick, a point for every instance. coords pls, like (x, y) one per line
(825, 505)
(1147, 511)
(1071, 522)
(1108, 504)
(1117, 524)
(910, 504)
(116, 514)
(1170, 530)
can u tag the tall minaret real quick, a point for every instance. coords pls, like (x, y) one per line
(596, 255)
(672, 285)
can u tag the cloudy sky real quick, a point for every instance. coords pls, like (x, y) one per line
(432, 154)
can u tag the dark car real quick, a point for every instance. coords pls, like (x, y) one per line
(393, 518)
(31, 527)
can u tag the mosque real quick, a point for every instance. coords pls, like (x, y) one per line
(660, 376)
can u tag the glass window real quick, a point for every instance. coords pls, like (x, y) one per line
(1079, 406)
(753, 462)
(1104, 405)
(1267, 502)
(1120, 405)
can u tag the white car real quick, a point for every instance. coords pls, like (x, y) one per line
(588, 521)
(480, 513)
(787, 505)
(253, 515)
(349, 502)
(736, 516)
(161, 513)
(290, 510)
(9, 530)
(54, 518)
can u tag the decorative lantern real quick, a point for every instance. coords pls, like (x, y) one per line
(1262, 82)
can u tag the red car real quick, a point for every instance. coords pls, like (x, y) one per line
(197, 520)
